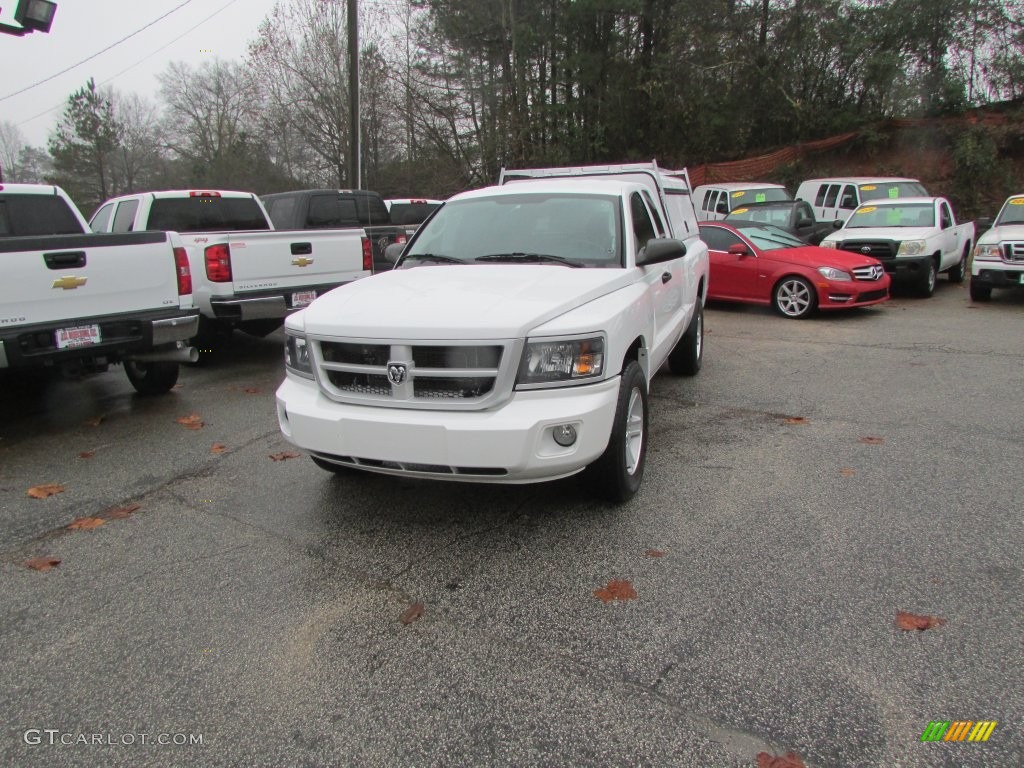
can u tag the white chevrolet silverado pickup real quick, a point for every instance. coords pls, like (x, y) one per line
(245, 274)
(77, 302)
(999, 256)
(915, 238)
(516, 339)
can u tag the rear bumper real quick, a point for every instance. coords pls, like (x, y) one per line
(264, 305)
(121, 336)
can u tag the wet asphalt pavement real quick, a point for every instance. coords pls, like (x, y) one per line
(253, 605)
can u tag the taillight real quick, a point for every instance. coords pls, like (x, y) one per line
(367, 254)
(184, 273)
(199, 193)
(218, 263)
(400, 238)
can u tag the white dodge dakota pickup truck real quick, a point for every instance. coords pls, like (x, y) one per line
(77, 302)
(516, 339)
(915, 238)
(245, 274)
(999, 257)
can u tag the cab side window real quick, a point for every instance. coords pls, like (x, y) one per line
(643, 228)
(125, 216)
(658, 223)
(101, 218)
(708, 203)
(946, 217)
(848, 200)
(831, 195)
(723, 203)
(820, 199)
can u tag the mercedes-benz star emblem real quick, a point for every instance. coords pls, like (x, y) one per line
(877, 271)
(396, 373)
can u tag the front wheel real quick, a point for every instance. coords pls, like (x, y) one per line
(927, 285)
(687, 356)
(980, 292)
(620, 470)
(151, 378)
(794, 297)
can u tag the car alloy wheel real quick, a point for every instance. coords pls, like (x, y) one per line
(794, 297)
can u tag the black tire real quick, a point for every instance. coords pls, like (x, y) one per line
(980, 292)
(956, 274)
(151, 378)
(687, 356)
(337, 469)
(620, 470)
(794, 297)
(926, 285)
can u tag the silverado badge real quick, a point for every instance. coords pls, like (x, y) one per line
(302, 261)
(69, 283)
(396, 373)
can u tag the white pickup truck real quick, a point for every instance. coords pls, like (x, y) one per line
(78, 302)
(915, 238)
(999, 256)
(245, 274)
(516, 339)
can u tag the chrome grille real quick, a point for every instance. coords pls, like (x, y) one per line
(416, 374)
(1013, 252)
(870, 272)
(876, 249)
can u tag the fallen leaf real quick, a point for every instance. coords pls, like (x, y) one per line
(794, 420)
(789, 760)
(871, 440)
(86, 454)
(120, 513)
(616, 590)
(85, 523)
(412, 613)
(654, 553)
(253, 391)
(42, 491)
(909, 621)
(42, 563)
(847, 472)
(218, 448)
(283, 455)
(94, 422)
(192, 421)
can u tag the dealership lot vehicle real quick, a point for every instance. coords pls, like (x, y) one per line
(411, 212)
(715, 201)
(999, 256)
(794, 216)
(836, 198)
(761, 264)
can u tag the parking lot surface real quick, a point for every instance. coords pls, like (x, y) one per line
(239, 606)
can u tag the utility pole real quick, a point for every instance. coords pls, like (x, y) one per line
(355, 173)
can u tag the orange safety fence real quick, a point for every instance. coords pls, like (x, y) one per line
(756, 168)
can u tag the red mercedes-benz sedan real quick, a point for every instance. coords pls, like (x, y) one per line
(762, 264)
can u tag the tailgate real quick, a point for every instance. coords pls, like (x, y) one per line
(63, 277)
(295, 258)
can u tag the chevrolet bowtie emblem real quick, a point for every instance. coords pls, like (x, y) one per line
(70, 282)
(302, 261)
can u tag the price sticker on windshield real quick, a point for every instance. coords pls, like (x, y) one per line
(760, 197)
(740, 210)
(741, 193)
(894, 193)
(868, 188)
(867, 209)
(1017, 201)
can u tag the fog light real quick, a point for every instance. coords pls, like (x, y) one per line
(564, 434)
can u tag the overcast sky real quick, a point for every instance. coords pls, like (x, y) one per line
(82, 28)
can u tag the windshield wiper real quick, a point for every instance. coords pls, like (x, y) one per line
(528, 258)
(435, 257)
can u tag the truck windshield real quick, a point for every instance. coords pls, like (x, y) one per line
(910, 215)
(891, 190)
(579, 228)
(1012, 213)
(206, 214)
(29, 215)
(759, 195)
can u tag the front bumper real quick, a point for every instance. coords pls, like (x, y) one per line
(834, 294)
(121, 336)
(994, 275)
(907, 267)
(512, 443)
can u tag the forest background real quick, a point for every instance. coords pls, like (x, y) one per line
(454, 90)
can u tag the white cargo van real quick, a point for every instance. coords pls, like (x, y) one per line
(835, 198)
(715, 201)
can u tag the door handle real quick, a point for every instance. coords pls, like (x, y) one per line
(302, 249)
(666, 276)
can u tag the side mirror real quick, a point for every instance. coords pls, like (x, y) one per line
(739, 249)
(660, 249)
(838, 224)
(393, 251)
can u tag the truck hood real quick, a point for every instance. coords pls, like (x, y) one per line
(882, 233)
(1005, 232)
(494, 301)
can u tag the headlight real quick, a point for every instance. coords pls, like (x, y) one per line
(834, 274)
(829, 244)
(561, 361)
(911, 248)
(988, 252)
(296, 356)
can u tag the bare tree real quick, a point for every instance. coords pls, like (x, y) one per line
(12, 140)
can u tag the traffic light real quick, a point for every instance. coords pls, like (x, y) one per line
(27, 16)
